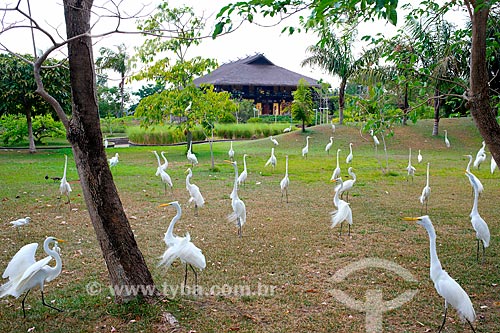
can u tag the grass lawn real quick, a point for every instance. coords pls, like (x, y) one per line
(288, 248)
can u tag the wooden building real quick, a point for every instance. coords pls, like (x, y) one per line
(258, 79)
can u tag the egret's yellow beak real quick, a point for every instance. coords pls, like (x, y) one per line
(60, 240)
(227, 161)
(411, 218)
(165, 205)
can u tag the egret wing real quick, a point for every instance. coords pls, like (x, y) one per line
(23, 259)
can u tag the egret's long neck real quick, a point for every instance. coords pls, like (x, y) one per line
(188, 177)
(169, 235)
(54, 254)
(234, 193)
(336, 199)
(435, 263)
(353, 175)
(338, 151)
(65, 166)
(476, 198)
(350, 149)
(470, 162)
(157, 158)
(244, 162)
(427, 175)
(286, 167)
(409, 157)
(307, 141)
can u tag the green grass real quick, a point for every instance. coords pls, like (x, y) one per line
(288, 246)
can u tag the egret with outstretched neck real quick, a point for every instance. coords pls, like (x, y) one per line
(239, 214)
(349, 157)
(445, 285)
(191, 156)
(479, 225)
(244, 174)
(230, 153)
(336, 172)
(347, 185)
(476, 181)
(410, 168)
(272, 160)
(194, 192)
(426, 191)
(165, 177)
(305, 150)
(343, 212)
(446, 141)
(329, 145)
(285, 182)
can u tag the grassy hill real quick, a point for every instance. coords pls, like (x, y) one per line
(289, 249)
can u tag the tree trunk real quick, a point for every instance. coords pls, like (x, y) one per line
(126, 265)
(479, 99)
(303, 126)
(343, 84)
(437, 107)
(31, 139)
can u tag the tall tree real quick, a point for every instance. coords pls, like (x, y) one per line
(116, 61)
(302, 104)
(124, 260)
(17, 89)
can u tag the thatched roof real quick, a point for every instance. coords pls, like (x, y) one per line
(255, 70)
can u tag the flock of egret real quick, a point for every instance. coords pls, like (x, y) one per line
(25, 273)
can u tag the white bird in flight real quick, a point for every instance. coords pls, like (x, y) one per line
(25, 273)
(445, 285)
(329, 145)
(194, 192)
(239, 214)
(272, 160)
(285, 182)
(305, 150)
(181, 247)
(479, 225)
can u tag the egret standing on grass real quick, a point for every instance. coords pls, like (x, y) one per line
(113, 161)
(65, 188)
(480, 156)
(445, 285)
(182, 248)
(164, 166)
(347, 185)
(191, 156)
(329, 145)
(493, 165)
(336, 172)
(24, 273)
(305, 150)
(375, 139)
(243, 175)
(239, 214)
(285, 182)
(446, 141)
(287, 129)
(194, 192)
(476, 183)
(410, 168)
(479, 225)
(20, 222)
(230, 153)
(165, 177)
(426, 192)
(349, 157)
(273, 140)
(419, 157)
(272, 160)
(343, 212)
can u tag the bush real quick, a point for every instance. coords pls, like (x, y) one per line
(254, 120)
(14, 128)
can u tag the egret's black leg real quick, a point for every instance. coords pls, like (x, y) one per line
(470, 324)
(340, 232)
(50, 306)
(195, 279)
(349, 232)
(185, 277)
(444, 319)
(24, 298)
(477, 251)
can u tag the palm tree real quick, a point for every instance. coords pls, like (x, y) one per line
(334, 55)
(118, 62)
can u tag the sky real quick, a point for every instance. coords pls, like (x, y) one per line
(281, 49)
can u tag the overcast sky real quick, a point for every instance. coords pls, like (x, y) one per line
(281, 49)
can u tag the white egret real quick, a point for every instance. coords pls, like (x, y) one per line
(106, 143)
(349, 157)
(181, 247)
(426, 191)
(194, 192)
(480, 156)
(343, 212)
(347, 185)
(113, 161)
(479, 225)
(419, 157)
(305, 150)
(65, 188)
(287, 129)
(24, 273)
(244, 174)
(336, 172)
(273, 140)
(333, 128)
(165, 177)
(239, 214)
(231, 152)
(272, 160)
(329, 145)
(410, 168)
(476, 182)
(446, 141)
(285, 182)
(493, 165)
(20, 222)
(375, 139)
(164, 166)
(445, 285)
(191, 156)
